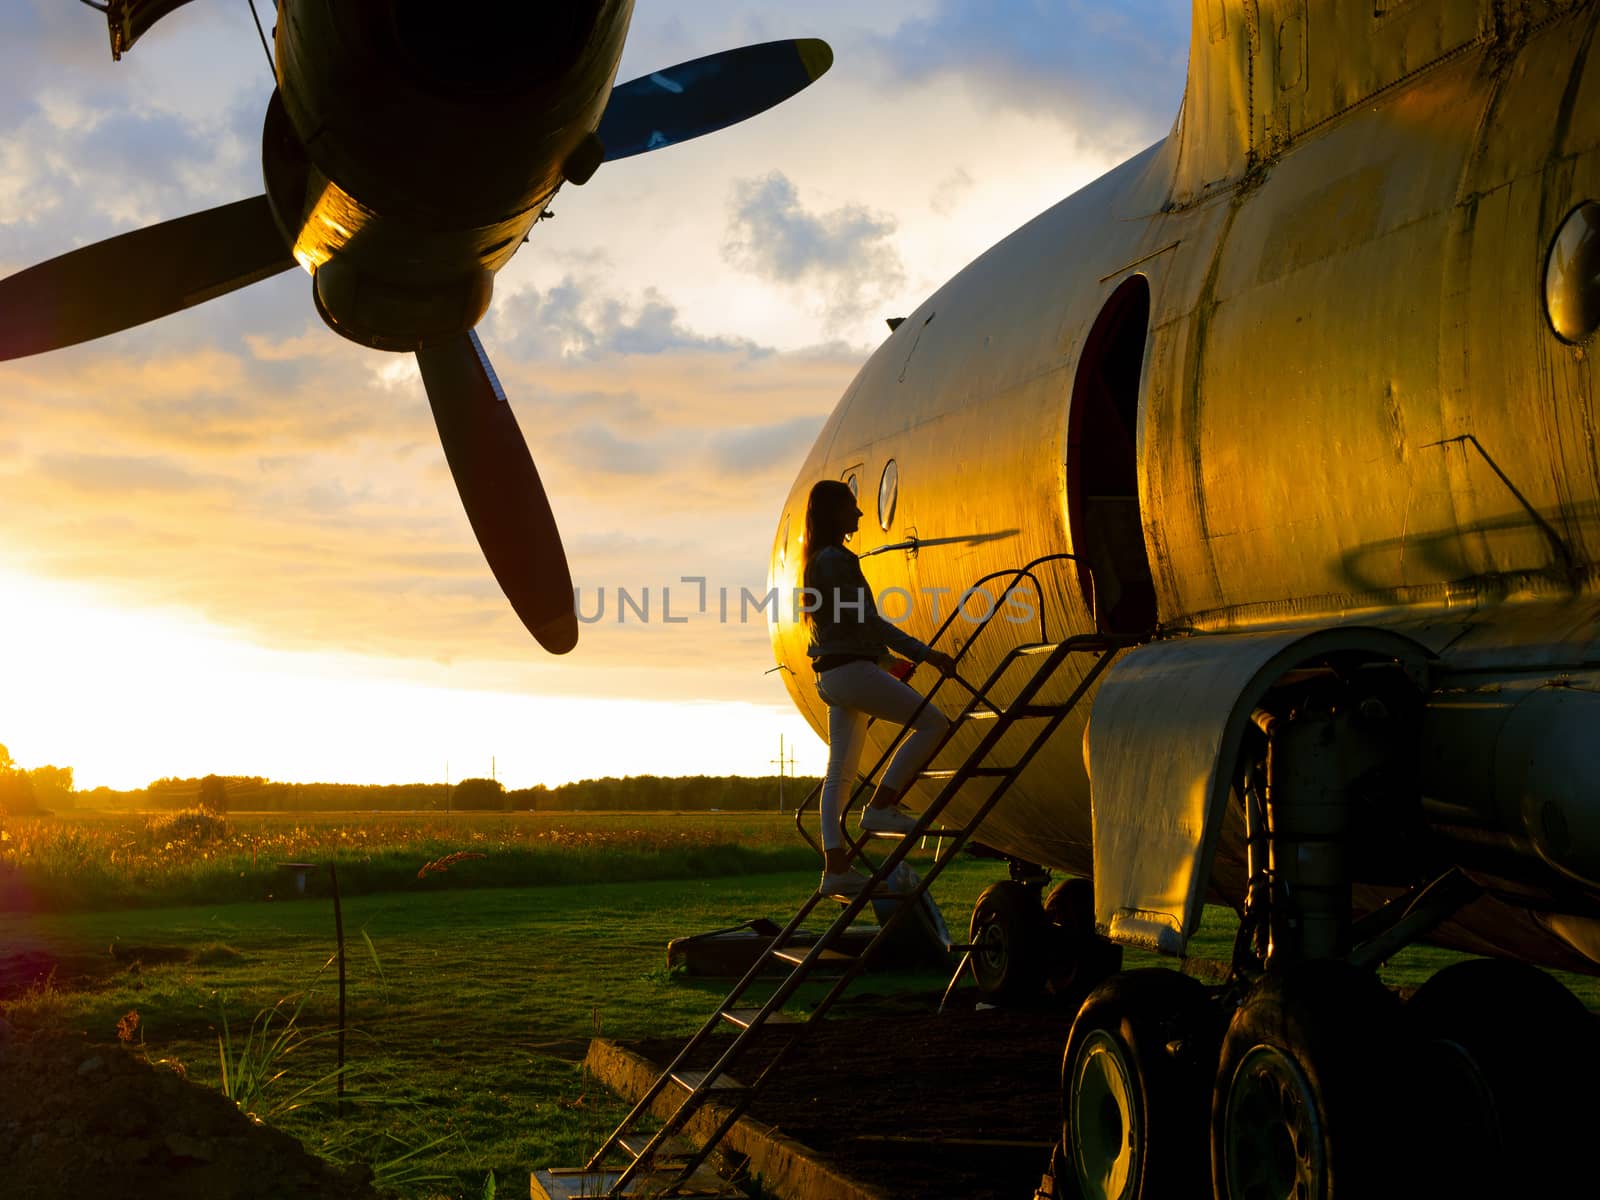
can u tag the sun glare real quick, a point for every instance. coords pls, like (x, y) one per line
(126, 697)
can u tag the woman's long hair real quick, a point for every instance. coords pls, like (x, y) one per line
(825, 525)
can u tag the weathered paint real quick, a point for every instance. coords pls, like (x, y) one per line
(1353, 408)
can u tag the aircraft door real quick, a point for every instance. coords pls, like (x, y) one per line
(1103, 467)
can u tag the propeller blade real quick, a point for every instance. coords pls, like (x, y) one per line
(707, 94)
(136, 277)
(500, 487)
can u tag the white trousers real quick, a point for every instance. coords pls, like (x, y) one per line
(854, 692)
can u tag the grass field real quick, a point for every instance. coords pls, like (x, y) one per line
(484, 1006)
(473, 1009)
(86, 862)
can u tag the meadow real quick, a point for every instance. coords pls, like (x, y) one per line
(473, 990)
(470, 1006)
(86, 862)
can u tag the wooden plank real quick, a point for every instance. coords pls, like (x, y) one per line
(673, 1148)
(828, 958)
(745, 1017)
(693, 1079)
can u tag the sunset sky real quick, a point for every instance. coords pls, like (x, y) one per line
(228, 540)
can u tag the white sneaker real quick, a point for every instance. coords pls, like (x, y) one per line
(895, 821)
(844, 885)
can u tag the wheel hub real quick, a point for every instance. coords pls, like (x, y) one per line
(993, 949)
(1273, 1132)
(1104, 1130)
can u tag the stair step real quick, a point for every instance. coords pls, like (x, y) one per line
(826, 958)
(746, 1017)
(1089, 642)
(1036, 710)
(690, 1080)
(569, 1183)
(895, 837)
(1033, 648)
(971, 772)
(673, 1148)
(1017, 712)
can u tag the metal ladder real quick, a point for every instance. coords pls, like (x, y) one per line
(658, 1159)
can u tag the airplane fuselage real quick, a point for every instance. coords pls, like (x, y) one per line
(1297, 369)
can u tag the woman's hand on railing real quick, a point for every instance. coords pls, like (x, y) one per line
(941, 661)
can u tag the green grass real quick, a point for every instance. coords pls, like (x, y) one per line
(472, 1010)
(82, 863)
(475, 1028)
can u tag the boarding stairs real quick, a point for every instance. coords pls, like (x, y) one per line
(648, 1156)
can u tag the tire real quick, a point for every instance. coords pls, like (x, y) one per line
(1308, 1089)
(1010, 950)
(1079, 959)
(1135, 1088)
(1506, 1059)
(1070, 905)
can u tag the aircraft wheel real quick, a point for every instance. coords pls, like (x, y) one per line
(1070, 904)
(1135, 1083)
(1009, 944)
(1080, 959)
(1306, 1088)
(1507, 1056)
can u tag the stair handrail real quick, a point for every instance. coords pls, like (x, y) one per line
(1059, 653)
(817, 949)
(1018, 574)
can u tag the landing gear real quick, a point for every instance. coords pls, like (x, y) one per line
(1008, 938)
(1080, 959)
(1134, 1086)
(1309, 1069)
(1022, 948)
(1499, 1046)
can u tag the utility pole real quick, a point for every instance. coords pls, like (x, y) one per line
(447, 787)
(780, 761)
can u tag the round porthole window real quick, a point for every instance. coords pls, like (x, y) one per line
(888, 493)
(853, 484)
(783, 543)
(1572, 275)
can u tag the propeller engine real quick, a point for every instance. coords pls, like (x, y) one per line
(407, 152)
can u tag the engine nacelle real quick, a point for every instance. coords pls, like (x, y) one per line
(411, 146)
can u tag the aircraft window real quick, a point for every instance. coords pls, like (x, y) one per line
(783, 543)
(1572, 275)
(888, 493)
(853, 484)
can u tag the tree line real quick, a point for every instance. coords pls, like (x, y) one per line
(41, 789)
(649, 793)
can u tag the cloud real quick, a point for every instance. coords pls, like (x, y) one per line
(281, 488)
(759, 448)
(576, 319)
(121, 475)
(847, 252)
(594, 448)
(1113, 73)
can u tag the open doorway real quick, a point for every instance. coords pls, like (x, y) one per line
(1103, 465)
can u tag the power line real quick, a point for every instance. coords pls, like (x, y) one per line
(780, 761)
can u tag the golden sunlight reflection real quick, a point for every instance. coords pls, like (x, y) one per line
(125, 697)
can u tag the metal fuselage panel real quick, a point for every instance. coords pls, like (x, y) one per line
(1360, 291)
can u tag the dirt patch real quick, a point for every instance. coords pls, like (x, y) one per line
(915, 1105)
(29, 970)
(80, 1119)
